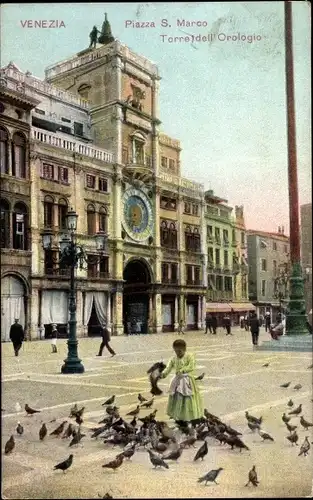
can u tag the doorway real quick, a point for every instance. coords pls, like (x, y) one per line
(137, 281)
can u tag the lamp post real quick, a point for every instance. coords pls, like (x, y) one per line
(281, 286)
(73, 256)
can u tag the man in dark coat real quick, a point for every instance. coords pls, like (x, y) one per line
(254, 328)
(227, 324)
(208, 323)
(16, 336)
(267, 321)
(106, 337)
(214, 324)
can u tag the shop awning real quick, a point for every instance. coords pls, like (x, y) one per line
(245, 306)
(217, 307)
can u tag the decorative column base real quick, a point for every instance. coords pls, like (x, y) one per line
(296, 343)
(118, 330)
(296, 318)
(72, 364)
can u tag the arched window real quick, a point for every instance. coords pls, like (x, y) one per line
(138, 149)
(84, 90)
(20, 227)
(91, 220)
(5, 224)
(4, 151)
(48, 212)
(164, 234)
(19, 156)
(173, 236)
(103, 219)
(62, 213)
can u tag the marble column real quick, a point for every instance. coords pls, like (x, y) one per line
(10, 159)
(182, 307)
(109, 318)
(203, 311)
(117, 206)
(176, 314)
(157, 217)
(199, 315)
(118, 313)
(158, 312)
(79, 314)
(33, 318)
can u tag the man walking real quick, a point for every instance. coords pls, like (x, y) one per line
(181, 327)
(16, 336)
(208, 323)
(106, 337)
(214, 324)
(227, 324)
(54, 337)
(267, 321)
(254, 328)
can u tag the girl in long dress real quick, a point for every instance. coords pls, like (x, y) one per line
(185, 401)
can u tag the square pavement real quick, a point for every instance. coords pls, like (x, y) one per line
(235, 380)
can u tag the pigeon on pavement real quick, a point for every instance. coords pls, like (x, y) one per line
(253, 426)
(19, 428)
(265, 436)
(237, 442)
(210, 476)
(305, 424)
(64, 465)
(30, 411)
(253, 478)
(174, 455)
(9, 446)
(110, 401)
(291, 428)
(202, 451)
(285, 419)
(296, 411)
(58, 431)
(73, 411)
(290, 403)
(298, 387)
(148, 404)
(305, 447)
(200, 377)
(76, 438)
(129, 453)
(287, 384)
(116, 463)
(253, 419)
(156, 460)
(266, 365)
(43, 432)
(134, 412)
(78, 419)
(68, 432)
(293, 438)
(141, 399)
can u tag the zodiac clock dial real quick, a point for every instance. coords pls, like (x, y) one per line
(137, 215)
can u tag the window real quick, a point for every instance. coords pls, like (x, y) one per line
(274, 245)
(285, 248)
(210, 255)
(40, 111)
(197, 275)
(168, 203)
(149, 161)
(219, 283)
(62, 213)
(63, 175)
(4, 157)
(103, 219)
(187, 208)
(211, 282)
(168, 234)
(263, 265)
(48, 212)
(91, 220)
(164, 270)
(104, 267)
(66, 120)
(20, 227)
(274, 267)
(228, 284)
(78, 129)
(103, 184)
(173, 236)
(217, 257)
(189, 274)
(195, 209)
(163, 161)
(48, 171)
(83, 90)
(173, 273)
(234, 236)
(92, 266)
(50, 262)
(225, 258)
(5, 224)
(90, 181)
(19, 156)
(263, 288)
(171, 164)
(244, 294)
(225, 237)
(243, 239)
(217, 235)
(139, 152)
(192, 239)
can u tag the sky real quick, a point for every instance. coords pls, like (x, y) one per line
(224, 99)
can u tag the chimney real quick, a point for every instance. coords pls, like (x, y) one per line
(282, 230)
(279, 229)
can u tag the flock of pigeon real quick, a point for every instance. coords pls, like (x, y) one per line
(162, 442)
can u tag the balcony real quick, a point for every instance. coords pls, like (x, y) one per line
(65, 141)
(190, 282)
(169, 281)
(57, 273)
(139, 171)
(94, 274)
(219, 295)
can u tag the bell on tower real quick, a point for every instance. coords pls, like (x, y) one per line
(106, 33)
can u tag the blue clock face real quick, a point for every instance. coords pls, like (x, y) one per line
(138, 219)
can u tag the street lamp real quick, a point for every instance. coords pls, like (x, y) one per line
(73, 256)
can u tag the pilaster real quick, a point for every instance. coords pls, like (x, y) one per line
(157, 217)
(158, 312)
(34, 314)
(117, 202)
(79, 314)
(176, 314)
(182, 307)
(118, 327)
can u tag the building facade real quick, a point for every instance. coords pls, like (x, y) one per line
(269, 269)
(306, 254)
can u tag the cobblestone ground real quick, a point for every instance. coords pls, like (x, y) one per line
(235, 380)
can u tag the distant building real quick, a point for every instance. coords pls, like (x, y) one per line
(268, 259)
(306, 252)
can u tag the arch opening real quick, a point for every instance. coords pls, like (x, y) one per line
(13, 304)
(137, 284)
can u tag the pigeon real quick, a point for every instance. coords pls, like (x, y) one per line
(233, 432)
(253, 426)
(296, 411)
(141, 399)
(305, 447)
(107, 495)
(43, 432)
(157, 461)
(148, 404)
(9, 446)
(291, 428)
(80, 412)
(285, 419)
(190, 441)
(18, 408)
(174, 455)
(290, 403)
(253, 419)
(19, 428)
(78, 420)
(128, 453)
(64, 465)
(202, 451)
(116, 463)
(133, 423)
(238, 443)
(98, 431)
(298, 387)
(266, 365)
(73, 411)
(210, 476)
(58, 431)
(68, 432)
(287, 384)
(154, 373)
(265, 436)
(76, 438)
(253, 478)
(110, 401)
(200, 377)
(134, 412)
(293, 438)
(305, 424)
(30, 410)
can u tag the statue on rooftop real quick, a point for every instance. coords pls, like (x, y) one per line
(93, 37)
(106, 33)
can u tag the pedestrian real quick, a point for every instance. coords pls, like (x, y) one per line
(214, 324)
(277, 329)
(246, 322)
(227, 324)
(185, 404)
(17, 336)
(242, 321)
(54, 337)
(106, 337)
(181, 325)
(267, 321)
(254, 328)
(208, 323)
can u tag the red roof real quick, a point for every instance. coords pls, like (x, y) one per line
(268, 234)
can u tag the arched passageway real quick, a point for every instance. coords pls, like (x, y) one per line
(137, 282)
(13, 304)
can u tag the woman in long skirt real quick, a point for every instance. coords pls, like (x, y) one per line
(185, 401)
